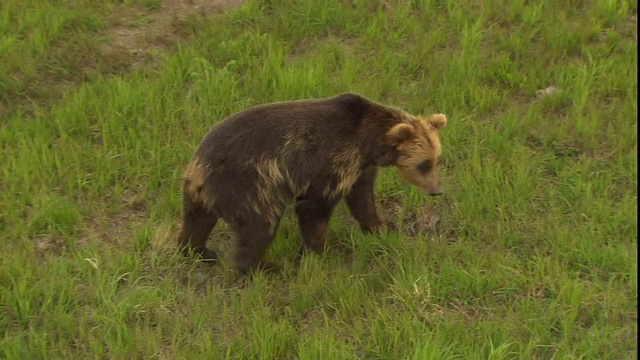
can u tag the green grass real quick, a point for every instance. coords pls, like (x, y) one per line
(535, 253)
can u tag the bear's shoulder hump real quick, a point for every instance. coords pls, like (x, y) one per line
(354, 103)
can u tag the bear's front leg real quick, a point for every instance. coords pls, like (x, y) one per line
(361, 202)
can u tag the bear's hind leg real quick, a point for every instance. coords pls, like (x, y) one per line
(313, 219)
(197, 224)
(253, 238)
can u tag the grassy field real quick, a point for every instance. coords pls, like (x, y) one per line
(530, 254)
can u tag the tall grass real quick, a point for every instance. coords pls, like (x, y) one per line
(534, 254)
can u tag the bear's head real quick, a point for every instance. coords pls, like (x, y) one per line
(418, 147)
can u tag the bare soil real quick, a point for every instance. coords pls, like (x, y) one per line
(143, 34)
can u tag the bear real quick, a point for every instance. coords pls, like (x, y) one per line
(310, 153)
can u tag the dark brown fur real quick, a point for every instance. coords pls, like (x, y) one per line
(313, 152)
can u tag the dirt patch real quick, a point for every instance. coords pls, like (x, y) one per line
(145, 34)
(49, 245)
(423, 220)
(135, 36)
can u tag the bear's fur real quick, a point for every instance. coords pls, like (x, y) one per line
(313, 152)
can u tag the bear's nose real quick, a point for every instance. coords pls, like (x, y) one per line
(435, 192)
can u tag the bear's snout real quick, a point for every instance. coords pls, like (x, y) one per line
(435, 189)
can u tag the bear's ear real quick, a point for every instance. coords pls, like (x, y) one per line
(437, 120)
(400, 133)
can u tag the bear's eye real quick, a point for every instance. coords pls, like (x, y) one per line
(424, 166)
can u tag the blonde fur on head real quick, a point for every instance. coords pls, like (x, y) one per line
(417, 141)
(400, 133)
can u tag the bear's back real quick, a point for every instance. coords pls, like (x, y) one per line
(264, 130)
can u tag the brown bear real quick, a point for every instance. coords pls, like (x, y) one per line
(313, 152)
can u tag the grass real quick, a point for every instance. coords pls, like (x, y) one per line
(535, 253)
